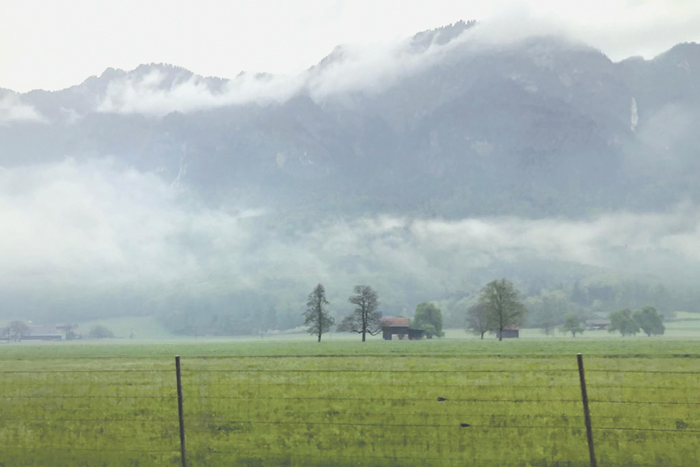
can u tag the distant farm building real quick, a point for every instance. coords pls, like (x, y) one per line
(43, 333)
(400, 327)
(68, 330)
(597, 324)
(509, 333)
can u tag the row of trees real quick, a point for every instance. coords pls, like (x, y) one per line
(365, 318)
(629, 323)
(15, 331)
(500, 307)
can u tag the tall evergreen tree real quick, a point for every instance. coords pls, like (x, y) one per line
(317, 316)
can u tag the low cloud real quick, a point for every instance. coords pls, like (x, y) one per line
(366, 68)
(98, 224)
(373, 67)
(13, 110)
(74, 229)
(149, 95)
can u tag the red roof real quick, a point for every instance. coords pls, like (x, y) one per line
(396, 321)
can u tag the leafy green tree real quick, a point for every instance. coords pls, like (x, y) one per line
(365, 319)
(623, 322)
(547, 310)
(572, 324)
(317, 316)
(650, 320)
(100, 332)
(478, 319)
(428, 317)
(504, 308)
(18, 329)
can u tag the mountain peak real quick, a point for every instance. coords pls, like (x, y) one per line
(441, 35)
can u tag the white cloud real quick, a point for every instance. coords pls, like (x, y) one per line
(12, 109)
(95, 224)
(367, 68)
(147, 94)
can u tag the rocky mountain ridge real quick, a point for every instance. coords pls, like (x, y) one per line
(439, 125)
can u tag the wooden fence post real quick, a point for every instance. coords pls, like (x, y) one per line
(586, 411)
(180, 412)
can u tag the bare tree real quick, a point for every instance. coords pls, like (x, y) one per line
(317, 315)
(365, 319)
(505, 310)
(478, 319)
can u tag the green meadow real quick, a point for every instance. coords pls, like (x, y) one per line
(457, 401)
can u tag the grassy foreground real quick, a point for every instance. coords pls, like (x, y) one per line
(342, 403)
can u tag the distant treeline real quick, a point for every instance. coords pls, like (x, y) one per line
(255, 312)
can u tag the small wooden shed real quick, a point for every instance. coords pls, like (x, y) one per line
(400, 327)
(597, 324)
(509, 333)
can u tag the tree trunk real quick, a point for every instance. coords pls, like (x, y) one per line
(319, 337)
(363, 335)
(482, 335)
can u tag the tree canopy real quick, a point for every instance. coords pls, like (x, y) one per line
(503, 305)
(572, 324)
(365, 319)
(650, 321)
(547, 310)
(478, 319)
(622, 322)
(18, 329)
(428, 317)
(100, 332)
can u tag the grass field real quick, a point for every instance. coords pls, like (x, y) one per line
(399, 403)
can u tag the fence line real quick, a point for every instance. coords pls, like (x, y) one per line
(223, 407)
(85, 371)
(163, 451)
(261, 370)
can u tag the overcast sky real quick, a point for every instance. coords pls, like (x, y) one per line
(51, 45)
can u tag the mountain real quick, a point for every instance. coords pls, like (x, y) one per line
(538, 127)
(425, 167)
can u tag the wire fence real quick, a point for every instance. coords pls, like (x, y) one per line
(350, 411)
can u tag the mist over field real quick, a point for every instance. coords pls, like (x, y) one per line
(423, 167)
